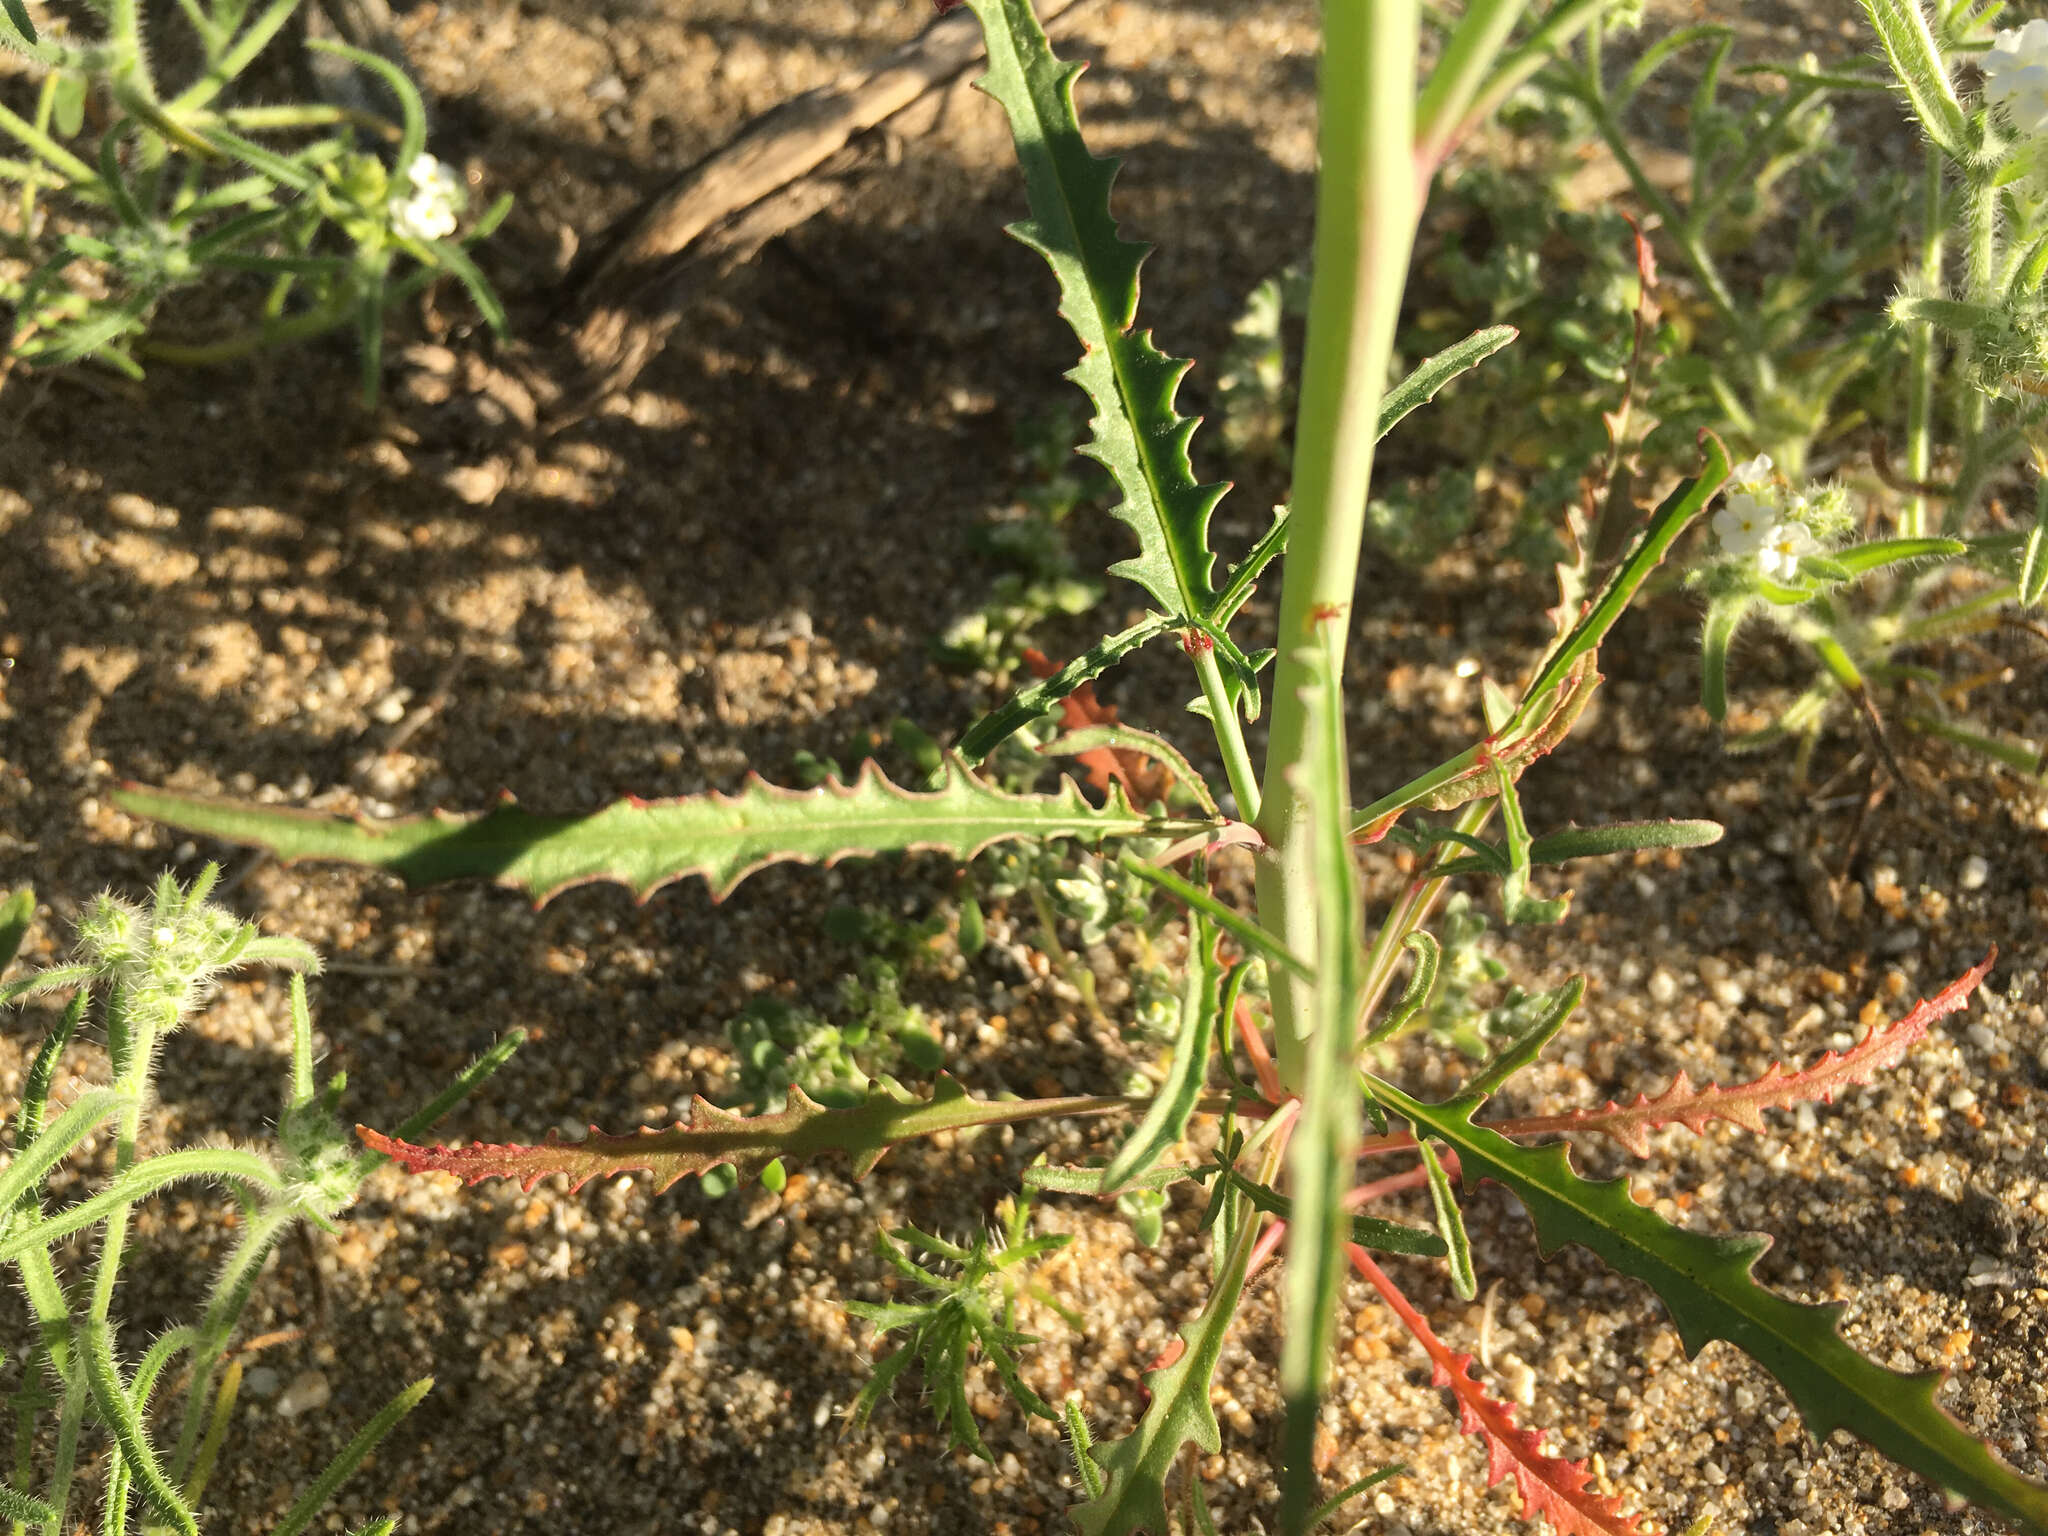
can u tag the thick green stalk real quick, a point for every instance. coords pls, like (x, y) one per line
(1368, 199)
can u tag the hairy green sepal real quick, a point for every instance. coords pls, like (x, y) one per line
(1706, 1284)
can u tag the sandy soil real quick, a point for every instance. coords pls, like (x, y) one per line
(227, 581)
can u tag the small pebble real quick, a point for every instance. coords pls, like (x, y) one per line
(308, 1392)
(1976, 870)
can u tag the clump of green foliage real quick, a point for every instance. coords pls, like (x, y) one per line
(133, 190)
(138, 974)
(1275, 1088)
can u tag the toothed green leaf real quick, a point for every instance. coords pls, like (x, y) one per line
(1137, 435)
(1134, 1469)
(803, 1128)
(1706, 1284)
(645, 844)
(1166, 1121)
(1040, 698)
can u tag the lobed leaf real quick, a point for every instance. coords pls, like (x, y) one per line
(1706, 1284)
(748, 1143)
(1134, 1469)
(646, 844)
(1166, 1120)
(1683, 1104)
(1550, 1486)
(1137, 435)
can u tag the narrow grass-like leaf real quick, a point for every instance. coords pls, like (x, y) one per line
(472, 1077)
(1129, 739)
(1429, 956)
(117, 1411)
(1706, 1284)
(50, 1147)
(1134, 1469)
(1245, 574)
(2019, 755)
(1450, 1223)
(1343, 1496)
(350, 1457)
(143, 1179)
(645, 844)
(1374, 1232)
(1529, 1044)
(1081, 1442)
(1724, 617)
(25, 29)
(35, 1091)
(1601, 842)
(1671, 519)
(1437, 370)
(2034, 553)
(1137, 435)
(1860, 559)
(1065, 1180)
(413, 137)
(216, 1432)
(17, 912)
(1248, 933)
(748, 1143)
(1166, 1121)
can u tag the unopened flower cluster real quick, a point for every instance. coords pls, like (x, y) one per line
(1763, 522)
(428, 211)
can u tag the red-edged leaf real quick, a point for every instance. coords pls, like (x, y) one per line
(1550, 1486)
(1683, 1104)
(714, 1136)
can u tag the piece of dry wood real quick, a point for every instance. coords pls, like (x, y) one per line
(627, 297)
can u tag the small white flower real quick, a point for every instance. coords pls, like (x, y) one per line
(1751, 475)
(2016, 75)
(1783, 544)
(1741, 524)
(428, 212)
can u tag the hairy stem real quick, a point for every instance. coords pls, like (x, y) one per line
(1915, 521)
(1368, 200)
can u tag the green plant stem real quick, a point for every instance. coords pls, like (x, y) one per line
(1980, 216)
(1916, 521)
(134, 1044)
(80, 176)
(1410, 912)
(223, 1310)
(1223, 719)
(1368, 200)
(1591, 90)
(315, 322)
